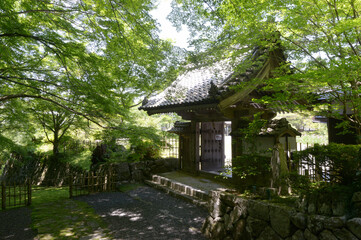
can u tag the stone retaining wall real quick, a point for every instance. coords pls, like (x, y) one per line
(50, 173)
(233, 217)
(139, 171)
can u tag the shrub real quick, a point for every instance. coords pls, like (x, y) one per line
(144, 150)
(251, 165)
(343, 162)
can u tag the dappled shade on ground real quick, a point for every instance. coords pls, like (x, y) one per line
(146, 213)
(15, 224)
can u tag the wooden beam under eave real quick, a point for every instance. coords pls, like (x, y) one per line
(240, 95)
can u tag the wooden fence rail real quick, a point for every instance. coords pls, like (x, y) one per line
(170, 146)
(13, 195)
(87, 183)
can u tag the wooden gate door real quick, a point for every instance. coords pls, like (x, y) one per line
(212, 145)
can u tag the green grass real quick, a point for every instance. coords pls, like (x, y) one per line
(55, 216)
(48, 194)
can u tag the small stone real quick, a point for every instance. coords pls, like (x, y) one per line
(299, 220)
(227, 222)
(301, 204)
(315, 223)
(334, 222)
(356, 209)
(311, 208)
(228, 199)
(207, 226)
(280, 221)
(327, 235)
(237, 213)
(239, 229)
(356, 197)
(255, 226)
(269, 234)
(259, 210)
(354, 225)
(241, 202)
(215, 204)
(339, 207)
(344, 234)
(325, 209)
(312, 203)
(218, 231)
(309, 236)
(298, 235)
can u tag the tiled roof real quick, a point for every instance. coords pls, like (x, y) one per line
(180, 127)
(277, 127)
(191, 87)
(198, 85)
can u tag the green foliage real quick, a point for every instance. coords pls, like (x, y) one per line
(145, 143)
(254, 127)
(300, 184)
(320, 38)
(343, 161)
(62, 60)
(80, 159)
(144, 150)
(251, 165)
(95, 50)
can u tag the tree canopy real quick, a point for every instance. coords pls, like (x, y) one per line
(93, 58)
(321, 39)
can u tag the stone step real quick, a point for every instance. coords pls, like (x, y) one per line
(180, 190)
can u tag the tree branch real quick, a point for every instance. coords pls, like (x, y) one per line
(9, 97)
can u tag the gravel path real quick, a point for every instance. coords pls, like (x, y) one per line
(146, 213)
(15, 224)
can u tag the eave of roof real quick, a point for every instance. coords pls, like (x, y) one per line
(199, 86)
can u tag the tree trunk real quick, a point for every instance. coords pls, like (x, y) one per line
(56, 144)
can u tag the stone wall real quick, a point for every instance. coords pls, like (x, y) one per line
(139, 171)
(50, 173)
(234, 217)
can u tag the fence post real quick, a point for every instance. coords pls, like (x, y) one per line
(71, 185)
(110, 178)
(3, 196)
(29, 192)
(92, 182)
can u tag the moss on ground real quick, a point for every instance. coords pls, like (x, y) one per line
(55, 216)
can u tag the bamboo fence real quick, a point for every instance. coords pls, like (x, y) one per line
(14, 195)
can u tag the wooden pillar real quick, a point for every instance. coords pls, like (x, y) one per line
(196, 145)
(193, 147)
(180, 151)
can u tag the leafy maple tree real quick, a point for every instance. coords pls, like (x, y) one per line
(321, 39)
(105, 53)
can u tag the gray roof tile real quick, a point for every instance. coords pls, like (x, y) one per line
(192, 86)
